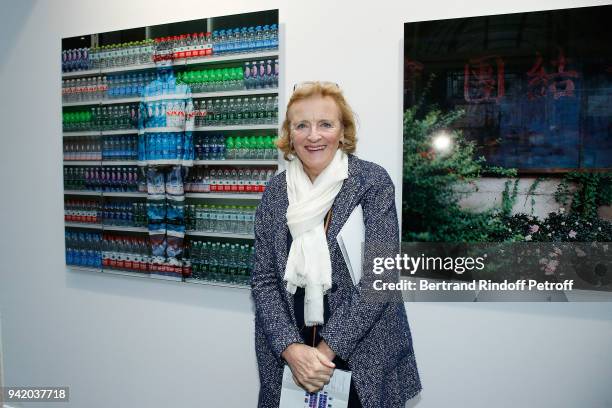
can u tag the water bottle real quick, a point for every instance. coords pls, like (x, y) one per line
(270, 149)
(64, 61)
(246, 113)
(241, 39)
(230, 149)
(259, 41)
(245, 148)
(237, 40)
(210, 218)
(253, 109)
(267, 40)
(243, 111)
(221, 147)
(260, 148)
(261, 110)
(241, 147)
(230, 41)
(269, 110)
(252, 148)
(215, 42)
(250, 220)
(222, 112)
(223, 262)
(236, 78)
(255, 78)
(262, 78)
(274, 35)
(269, 74)
(213, 147)
(248, 36)
(275, 111)
(197, 113)
(230, 219)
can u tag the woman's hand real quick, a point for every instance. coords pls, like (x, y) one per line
(326, 350)
(311, 369)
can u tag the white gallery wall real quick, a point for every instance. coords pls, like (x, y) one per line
(130, 342)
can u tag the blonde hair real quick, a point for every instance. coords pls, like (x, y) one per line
(347, 117)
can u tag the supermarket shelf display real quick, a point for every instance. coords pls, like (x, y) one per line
(168, 146)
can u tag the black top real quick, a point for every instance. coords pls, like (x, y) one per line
(310, 334)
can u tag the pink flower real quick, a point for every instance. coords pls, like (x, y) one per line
(551, 267)
(572, 234)
(534, 228)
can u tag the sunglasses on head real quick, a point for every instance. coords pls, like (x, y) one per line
(310, 83)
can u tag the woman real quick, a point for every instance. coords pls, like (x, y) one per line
(308, 312)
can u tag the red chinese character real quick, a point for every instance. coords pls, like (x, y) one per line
(538, 79)
(484, 79)
(559, 83)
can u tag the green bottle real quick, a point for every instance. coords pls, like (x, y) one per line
(205, 80)
(270, 148)
(230, 148)
(225, 78)
(216, 80)
(237, 147)
(197, 81)
(247, 148)
(260, 148)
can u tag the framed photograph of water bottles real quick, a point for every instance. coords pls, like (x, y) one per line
(168, 143)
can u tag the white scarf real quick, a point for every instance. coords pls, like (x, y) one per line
(309, 263)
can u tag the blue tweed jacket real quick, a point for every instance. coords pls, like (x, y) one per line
(372, 337)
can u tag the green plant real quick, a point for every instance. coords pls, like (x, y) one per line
(509, 199)
(592, 191)
(556, 227)
(531, 191)
(433, 182)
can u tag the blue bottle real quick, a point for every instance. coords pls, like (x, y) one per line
(250, 39)
(172, 146)
(180, 146)
(188, 152)
(222, 45)
(221, 148)
(215, 42)
(165, 145)
(274, 36)
(267, 41)
(242, 39)
(206, 148)
(156, 146)
(141, 148)
(258, 39)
